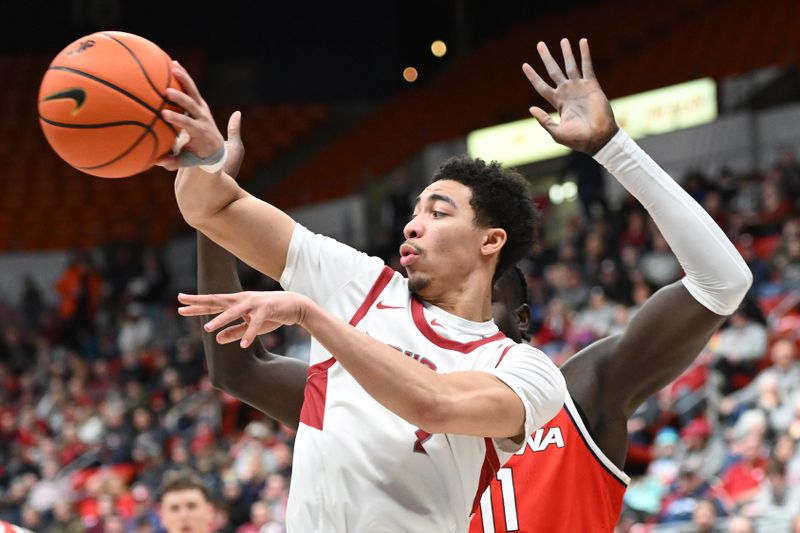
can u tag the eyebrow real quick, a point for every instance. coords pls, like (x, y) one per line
(437, 197)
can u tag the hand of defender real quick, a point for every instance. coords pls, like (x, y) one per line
(204, 138)
(261, 312)
(587, 121)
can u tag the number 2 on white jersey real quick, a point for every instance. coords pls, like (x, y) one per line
(506, 478)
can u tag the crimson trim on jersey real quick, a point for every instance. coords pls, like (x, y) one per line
(313, 411)
(377, 288)
(418, 316)
(491, 464)
(503, 355)
(591, 449)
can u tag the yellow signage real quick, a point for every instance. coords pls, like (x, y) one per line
(649, 113)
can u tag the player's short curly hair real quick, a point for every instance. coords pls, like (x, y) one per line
(501, 198)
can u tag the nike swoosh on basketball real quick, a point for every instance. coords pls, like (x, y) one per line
(381, 305)
(77, 94)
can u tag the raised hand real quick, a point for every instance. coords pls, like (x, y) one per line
(261, 312)
(205, 139)
(586, 119)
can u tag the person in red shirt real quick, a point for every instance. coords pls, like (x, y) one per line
(581, 452)
(742, 480)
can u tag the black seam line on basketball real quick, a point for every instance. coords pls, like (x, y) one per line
(147, 77)
(141, 67)
(147, 131)
(112, 86)
(98, 125)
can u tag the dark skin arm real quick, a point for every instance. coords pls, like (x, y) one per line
(612, 377)
(271, 383)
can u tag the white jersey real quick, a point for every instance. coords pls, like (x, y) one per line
(358, 466)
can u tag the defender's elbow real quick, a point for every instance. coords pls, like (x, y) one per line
(737, 288)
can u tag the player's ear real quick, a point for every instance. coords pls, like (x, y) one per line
(523, 316)
(493, 241)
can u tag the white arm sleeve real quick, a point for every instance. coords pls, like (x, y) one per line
(318, 266)
(716, 275)
(538, 383)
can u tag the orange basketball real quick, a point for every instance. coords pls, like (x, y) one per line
(100, 104)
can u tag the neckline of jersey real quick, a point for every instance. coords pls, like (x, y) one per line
(486, 331)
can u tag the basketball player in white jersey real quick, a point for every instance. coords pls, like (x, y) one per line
(413, 397)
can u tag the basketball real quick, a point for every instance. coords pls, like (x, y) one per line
(100, 104)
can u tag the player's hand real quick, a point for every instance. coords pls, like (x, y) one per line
(586, 119)
(234, 145)
(205, 139)
(261, 312)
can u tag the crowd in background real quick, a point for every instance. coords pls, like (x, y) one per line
(104, 392)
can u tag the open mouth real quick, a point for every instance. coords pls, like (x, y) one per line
(408, 254)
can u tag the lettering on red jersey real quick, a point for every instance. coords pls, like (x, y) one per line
(540, 441)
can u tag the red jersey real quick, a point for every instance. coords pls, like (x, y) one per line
(560, 482)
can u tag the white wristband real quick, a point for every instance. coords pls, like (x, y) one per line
(216, 166)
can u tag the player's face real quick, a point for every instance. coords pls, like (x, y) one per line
(186, 511)
(443, 243)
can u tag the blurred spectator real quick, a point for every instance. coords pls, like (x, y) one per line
(688, 490)
(777, 501)
(699, 446)
(143, 512)
(80, 289)
(31, 303)
(136, 330)
(151, 284)
(738, 347)
(594, 321)
(117, 439)
(659, 265)
(64, 518)
(49, 489)
(785, 451)
(742, 480)
(704, 518)
(775, 209)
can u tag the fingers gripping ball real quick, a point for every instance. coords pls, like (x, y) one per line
(100, 104)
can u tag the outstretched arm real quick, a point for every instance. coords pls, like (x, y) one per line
(212, 202)
(510, 401)
(271, 383)
(611, 378)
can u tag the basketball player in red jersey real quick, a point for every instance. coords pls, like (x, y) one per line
(569, 476)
